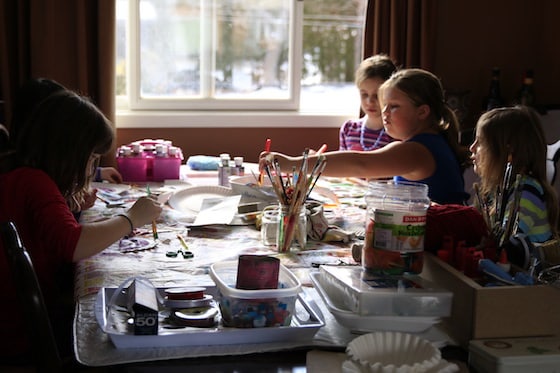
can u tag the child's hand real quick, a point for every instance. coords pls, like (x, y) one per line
(89, 200)
(110, 174)
(265, 158)
(144, 211)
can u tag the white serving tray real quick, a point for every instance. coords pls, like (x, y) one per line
(365, 324)
(305, 323)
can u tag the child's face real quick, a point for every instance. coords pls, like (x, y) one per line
(400, 115)
(368, 97)
(477, 152)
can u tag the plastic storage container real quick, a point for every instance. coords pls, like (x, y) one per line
(395, 227)
(149, 160)
(254, 308)
(366, 294)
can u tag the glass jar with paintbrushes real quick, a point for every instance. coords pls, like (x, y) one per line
(292, 191)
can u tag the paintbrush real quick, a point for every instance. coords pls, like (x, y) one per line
(266, 149)
(154, 225)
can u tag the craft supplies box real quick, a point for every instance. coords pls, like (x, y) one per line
(368, 295)
(494, 312)
(149, 160)
(515, 355)
(255, 308)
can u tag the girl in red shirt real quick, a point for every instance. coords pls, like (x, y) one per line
(43, 180)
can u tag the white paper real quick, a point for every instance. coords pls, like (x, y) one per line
(217, 210)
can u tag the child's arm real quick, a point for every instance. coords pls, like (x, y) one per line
(410, 160)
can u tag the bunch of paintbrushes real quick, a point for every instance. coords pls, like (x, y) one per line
(292, 191)
(504, 221)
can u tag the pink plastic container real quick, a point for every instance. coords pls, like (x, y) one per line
(149, 160)
(133, 168)
(166, 168)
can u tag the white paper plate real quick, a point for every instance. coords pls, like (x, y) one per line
(189, 200)
(365, 324)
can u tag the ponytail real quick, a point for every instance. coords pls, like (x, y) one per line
(449, 127)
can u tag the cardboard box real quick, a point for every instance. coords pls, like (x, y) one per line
(494, 312)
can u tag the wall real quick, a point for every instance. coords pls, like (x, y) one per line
(245, 142)
(476, 35)
(473, 36)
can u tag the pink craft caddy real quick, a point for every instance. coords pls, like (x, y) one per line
(139, 161)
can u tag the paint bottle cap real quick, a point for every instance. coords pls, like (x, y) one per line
(126, 151)
(503, 262)
(173, 151)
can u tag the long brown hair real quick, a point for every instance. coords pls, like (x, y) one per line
(516, 134)
(377, 66)
(424, 88)
(60, 138)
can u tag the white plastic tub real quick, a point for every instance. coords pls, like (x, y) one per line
(255, 308)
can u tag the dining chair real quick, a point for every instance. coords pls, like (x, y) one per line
(43, 343)
(552, 158)
(46, 356)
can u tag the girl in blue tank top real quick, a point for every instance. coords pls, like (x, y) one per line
(414, 111)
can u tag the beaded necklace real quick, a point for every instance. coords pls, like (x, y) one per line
(379, 136)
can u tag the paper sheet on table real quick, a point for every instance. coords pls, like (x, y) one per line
(217, 210)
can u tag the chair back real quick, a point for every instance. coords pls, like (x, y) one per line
(552, 157)
(41, 336)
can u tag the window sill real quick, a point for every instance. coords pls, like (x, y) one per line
(209, 119)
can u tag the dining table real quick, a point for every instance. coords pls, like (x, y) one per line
(323, 350)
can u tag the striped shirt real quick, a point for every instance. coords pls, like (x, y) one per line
(533, 216)
(354, 135)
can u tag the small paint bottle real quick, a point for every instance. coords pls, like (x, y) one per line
(238, 168)
(224, 170)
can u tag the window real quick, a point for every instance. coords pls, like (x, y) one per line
(248, 55)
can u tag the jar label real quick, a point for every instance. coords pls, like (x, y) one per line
(399, 231)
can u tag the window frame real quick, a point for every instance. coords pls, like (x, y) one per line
(320, 114)
(135, 101)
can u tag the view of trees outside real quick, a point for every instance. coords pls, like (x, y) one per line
(251, 39)
(332, 39)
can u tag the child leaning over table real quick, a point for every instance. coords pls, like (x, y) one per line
(515, 135)
(414, 112)
(53, 163)
(367, 133)
(28, 96)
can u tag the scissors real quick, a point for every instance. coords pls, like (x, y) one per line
(186, 254)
